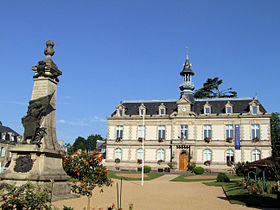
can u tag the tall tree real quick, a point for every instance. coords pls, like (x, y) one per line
(275, 133)
(91, 141)
(211, 90)
(80, 143)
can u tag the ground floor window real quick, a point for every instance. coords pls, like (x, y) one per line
(256, 155)
(140, 154)
(118, 154)
(230, 155)
(207, 155)
(160, 154)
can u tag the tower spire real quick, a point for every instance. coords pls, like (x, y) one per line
(187, 87)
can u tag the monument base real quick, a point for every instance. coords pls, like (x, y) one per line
(31, 163)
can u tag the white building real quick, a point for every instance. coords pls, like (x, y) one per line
(238, 130)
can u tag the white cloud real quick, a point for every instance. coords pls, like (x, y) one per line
(98, 119)
(74, 123)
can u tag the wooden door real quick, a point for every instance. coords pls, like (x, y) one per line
(183, 160)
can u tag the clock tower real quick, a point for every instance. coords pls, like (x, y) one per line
(187, 86)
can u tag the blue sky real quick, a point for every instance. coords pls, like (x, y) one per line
(113, 50)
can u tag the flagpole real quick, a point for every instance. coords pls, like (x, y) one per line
(143, 154)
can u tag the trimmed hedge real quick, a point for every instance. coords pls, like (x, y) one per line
(147, 169)
(222, 178)
(198, 170)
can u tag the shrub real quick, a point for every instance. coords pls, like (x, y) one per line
(27, 196)
(171, 165)
(198, 170)
(192, 166)
(222, 178)
(147, 169)
(240, 168)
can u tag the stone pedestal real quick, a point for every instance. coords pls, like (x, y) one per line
(38, 157)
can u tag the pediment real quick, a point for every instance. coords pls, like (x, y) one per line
(183, 100)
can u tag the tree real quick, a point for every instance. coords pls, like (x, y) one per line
(211, 90)
(275, 134)
(91, 141)
(87, 168)
(80, 143)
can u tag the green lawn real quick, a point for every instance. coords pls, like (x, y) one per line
(237, 195)
(151, 176)
(182, 178)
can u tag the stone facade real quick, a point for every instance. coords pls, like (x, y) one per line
(238, 130)
(8, 139)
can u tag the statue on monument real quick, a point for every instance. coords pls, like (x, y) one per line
(37, 109)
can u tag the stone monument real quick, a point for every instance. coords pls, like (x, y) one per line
(37, 158)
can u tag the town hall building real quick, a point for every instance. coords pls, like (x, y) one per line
(214, 133)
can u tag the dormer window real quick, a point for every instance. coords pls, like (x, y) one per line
(207, 108)
(229, 111)
(142, 110)
(162, 109)
(255, 110)
(120, 110)
(254, 107)
(228, 108)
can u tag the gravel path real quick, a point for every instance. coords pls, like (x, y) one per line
(158, 194)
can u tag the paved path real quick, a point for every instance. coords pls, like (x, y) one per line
(158, 194)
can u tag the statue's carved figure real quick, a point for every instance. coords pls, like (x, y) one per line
(32, 121)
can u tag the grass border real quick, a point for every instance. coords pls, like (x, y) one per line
(182, 178)
(238, 195)
(151, 176)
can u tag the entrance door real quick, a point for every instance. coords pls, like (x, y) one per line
(183, 160)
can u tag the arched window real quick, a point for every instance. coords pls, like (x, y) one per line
(140, 154)
(160, 154)
(230, 155)
(118, 153)
(256, 155)
(207, 155)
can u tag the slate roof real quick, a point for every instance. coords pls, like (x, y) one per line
(240, 105)
(4, 129)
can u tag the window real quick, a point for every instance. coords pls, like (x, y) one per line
(207, 131)
(184, 131)
(229, 131)
(229, 111)
(230, 155)
(162, 112)
(120, 131)
(121, 112)
(255, 110)
(207, 155)
(256, 155)
(141, 131)
(3, 152)
(161, 131)
(140, 154)
(207, 110)
(142, 112)
(118, 153)
(10, 154)
(7, 138)
(1, 149)
(256, 131)
(160, 155)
